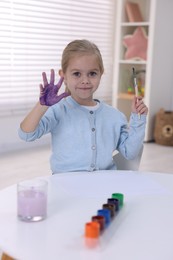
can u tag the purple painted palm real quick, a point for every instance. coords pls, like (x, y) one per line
(49, 91)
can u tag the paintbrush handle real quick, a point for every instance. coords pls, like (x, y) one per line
(136, 88)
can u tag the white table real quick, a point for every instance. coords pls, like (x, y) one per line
(142, 230)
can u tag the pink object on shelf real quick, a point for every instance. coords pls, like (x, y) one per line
(136, 45)
(133, 12)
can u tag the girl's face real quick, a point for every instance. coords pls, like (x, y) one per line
(82, 78)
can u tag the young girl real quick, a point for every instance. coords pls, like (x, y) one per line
(84, 131)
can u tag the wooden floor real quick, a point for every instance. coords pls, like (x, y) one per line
(157, 158)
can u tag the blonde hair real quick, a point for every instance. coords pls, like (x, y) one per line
(81, 47)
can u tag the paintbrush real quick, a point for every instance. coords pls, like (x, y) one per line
(135, 86)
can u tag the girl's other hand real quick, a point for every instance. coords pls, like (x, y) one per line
(49, 91)
(138, 106)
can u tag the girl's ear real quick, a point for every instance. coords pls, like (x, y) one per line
(61, 74)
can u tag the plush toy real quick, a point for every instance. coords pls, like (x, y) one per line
(136, 45)
(163, 132)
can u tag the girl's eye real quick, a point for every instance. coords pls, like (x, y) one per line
(76, 74)
(93, 74)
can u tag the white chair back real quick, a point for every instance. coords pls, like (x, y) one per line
(124, 164)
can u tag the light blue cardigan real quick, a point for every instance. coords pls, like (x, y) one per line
(84, 140)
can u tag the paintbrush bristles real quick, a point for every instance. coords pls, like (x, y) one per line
(134, 73)
(134, 78)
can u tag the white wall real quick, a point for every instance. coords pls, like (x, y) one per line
(9, 139)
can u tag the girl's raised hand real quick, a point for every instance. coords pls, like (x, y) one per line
(49, 91)
(138, 106)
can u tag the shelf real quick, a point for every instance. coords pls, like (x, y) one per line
(140, 62)
(125, 96)
(149, 72)
(136, 24)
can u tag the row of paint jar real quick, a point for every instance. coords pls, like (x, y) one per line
(104, 216)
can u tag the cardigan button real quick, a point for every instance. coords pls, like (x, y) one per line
(91, 112)
(93, 129)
